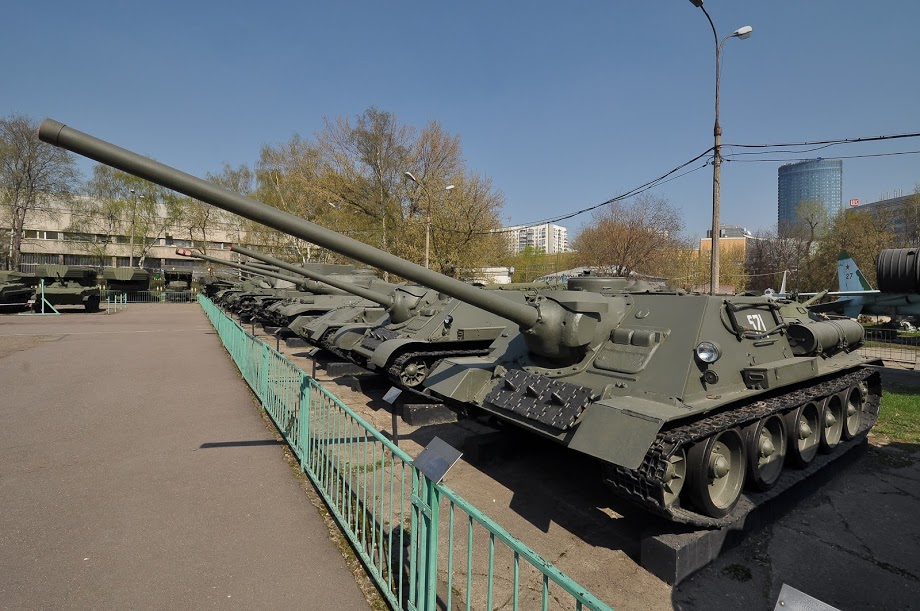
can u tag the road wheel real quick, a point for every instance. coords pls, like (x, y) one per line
(834, 419)
(766, 450)
(804, 435)
(855, 406)
(413, 372)
(717, 467)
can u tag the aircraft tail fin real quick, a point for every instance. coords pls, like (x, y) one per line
(848, 274)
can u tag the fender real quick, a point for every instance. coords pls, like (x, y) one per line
(386, 349)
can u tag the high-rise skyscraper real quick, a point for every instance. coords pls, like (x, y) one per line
(814, 180)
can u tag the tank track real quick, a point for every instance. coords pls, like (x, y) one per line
(645, 485)
(396, 366)
(326, 344)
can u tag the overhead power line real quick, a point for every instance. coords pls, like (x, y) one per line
(729, 158)
(664, 178)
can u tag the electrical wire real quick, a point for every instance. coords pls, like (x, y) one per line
(818, 144)
(664, 178)
(834, 141)
(729, 158)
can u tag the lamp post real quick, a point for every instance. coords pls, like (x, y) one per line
(742, 33)
(133, 219)
(448, 188)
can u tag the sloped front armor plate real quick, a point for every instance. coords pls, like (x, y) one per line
(550, 402)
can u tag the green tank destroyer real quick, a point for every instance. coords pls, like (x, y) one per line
(412, 328)
(68, 285)
(213, 285)
(310, 295)
(334, 292)
(683, 398)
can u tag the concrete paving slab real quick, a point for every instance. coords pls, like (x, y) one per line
(137, 472)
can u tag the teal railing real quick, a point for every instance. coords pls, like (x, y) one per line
(425, 546)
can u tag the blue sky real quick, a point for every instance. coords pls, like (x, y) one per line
(563, 105)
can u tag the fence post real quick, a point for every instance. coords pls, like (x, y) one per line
(431, 545)
(303, 420)
(423, 554)
(263, 382)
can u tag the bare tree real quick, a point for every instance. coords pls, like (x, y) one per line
(32, 175)
(240, 180)
(287, 176)
(768, 256)
(364, 162)
(136, 211)
(630, 237)
(464, 220)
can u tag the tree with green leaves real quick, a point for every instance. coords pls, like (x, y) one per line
(33, 175)
(864, 236)
(910, 221)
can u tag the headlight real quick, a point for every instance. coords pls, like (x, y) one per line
(708, 352)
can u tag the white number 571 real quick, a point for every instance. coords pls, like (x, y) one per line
(756, 322)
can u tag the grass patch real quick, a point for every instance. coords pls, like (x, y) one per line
(899, 417)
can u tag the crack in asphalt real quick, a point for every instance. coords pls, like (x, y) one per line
(885, 566)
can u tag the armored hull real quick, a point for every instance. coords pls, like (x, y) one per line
(126, 280)
(68, 285)
(16, 289)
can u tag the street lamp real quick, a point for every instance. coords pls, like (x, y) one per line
(133, 219)
(742, 33)
(427, 212)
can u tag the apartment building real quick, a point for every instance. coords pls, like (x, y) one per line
(547, 237)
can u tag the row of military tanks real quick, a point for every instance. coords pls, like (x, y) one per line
(685, 399)
(79, 285)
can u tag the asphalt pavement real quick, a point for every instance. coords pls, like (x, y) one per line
(137, 473)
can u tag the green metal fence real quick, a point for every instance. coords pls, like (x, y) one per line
(425, 546)
(151, 296)
(892, 345)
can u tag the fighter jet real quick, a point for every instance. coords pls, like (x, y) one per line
(857, 297)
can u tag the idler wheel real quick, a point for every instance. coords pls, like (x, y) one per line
(414, 372)
(833, 417)
(855, 406)
(766, 444)
(674, 477)
(803, 425)
(717, 467)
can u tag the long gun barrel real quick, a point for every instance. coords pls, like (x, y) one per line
(371, 295)
(58, 134)
(270, 268)
(240, 266)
